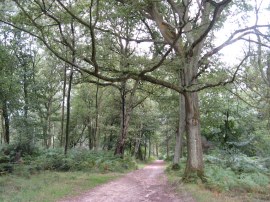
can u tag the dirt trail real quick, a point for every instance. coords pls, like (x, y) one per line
(144, 185)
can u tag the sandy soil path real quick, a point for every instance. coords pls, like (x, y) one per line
(144, 185)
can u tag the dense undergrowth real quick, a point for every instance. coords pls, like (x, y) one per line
(227, 172)
(55, 160)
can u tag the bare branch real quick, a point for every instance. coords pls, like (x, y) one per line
(217, 11)
(231, 39)
(221, 83)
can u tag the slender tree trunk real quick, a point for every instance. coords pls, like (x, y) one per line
(138, 140)
(179, 133)
(149, 149)
(110, 141)
(2, 126)
(6, 123)
(68, 109)
(194, 166)
(89, 130)
(63, 107)
(48, 126)
(69, 89)
(25, 91)
(167, 147)
(96, 132)
(157, 150)
(145, 148)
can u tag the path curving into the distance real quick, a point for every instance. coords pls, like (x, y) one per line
(144, 185)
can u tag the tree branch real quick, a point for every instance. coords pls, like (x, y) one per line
(221, 83)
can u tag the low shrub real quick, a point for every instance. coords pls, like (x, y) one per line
(82, 160)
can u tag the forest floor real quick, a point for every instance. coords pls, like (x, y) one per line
(145, 185)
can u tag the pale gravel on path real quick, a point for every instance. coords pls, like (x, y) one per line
(144, 185)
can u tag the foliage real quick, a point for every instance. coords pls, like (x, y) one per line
(81, 160)
(238, 161)
(26, 159)
(223, 184)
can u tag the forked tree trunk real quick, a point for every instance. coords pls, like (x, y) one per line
(122, 139)
(194, 166)
(126, 111)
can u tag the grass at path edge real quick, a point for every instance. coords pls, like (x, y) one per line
(49, 186)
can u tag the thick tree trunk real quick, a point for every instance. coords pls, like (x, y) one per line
(194, 166)
(140, 154)
(180, 131)
(126, 111)
(122, 139)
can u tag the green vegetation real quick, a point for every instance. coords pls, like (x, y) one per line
(49, 186)
(228, 178)
(55, 160)
(47, 175)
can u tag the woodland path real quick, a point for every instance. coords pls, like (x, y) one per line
(144, 185)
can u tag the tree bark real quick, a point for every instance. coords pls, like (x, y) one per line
(69, 89)
(194, 166)
(157, 150)
(96, 131)
(6, 123)
(126, 111)
(48, 125)
(68, 110)
(167, 147)
(63, 107)
(138, 141)
(149, 149)
(90, 134)
(121, 140)
(145, 148)
(180, 131)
